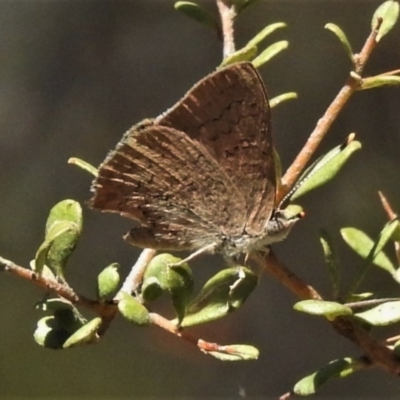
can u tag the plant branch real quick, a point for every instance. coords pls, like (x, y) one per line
(390, 73)
(377, 353)
(296, 285)
(370, 303)
(135, 276)
(107, 311)
(45, 283)
(170, 327)
(227, 12)
(391, 216)
(324, 123)
(387, 207)
(61, 289)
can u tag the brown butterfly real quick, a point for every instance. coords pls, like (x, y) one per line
(200, 177)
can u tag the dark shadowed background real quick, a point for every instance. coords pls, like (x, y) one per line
(74, 76)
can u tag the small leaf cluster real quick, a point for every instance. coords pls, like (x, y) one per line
(64, 326)
(374, 312)
(384, 19)
(385, 16)
(250, 51)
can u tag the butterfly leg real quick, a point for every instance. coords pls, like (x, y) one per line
(206, 249)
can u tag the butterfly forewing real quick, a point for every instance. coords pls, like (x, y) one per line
(170, 183)
(228, 112)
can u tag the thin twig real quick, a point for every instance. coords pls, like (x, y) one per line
(391, 215)
(227, 12)
(135, 276)
(62, 290)
(370, 303)
(377, 353)
(286, 396)
(362, 363)
(387, 207)
(276, 268)
(170, 327)
(107, 311)
(390, 73)
(49, 284)
(393, 339)
(369, 45)
(323, 125)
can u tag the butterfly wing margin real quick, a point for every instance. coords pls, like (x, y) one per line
(228, 112)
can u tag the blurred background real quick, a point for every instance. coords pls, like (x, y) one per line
(74, 76)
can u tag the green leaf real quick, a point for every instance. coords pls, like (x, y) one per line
(291, 211)
(325, 168)
(356, 297)
(52, 331)
(242, 5)
(379, 80)
(244, 54)
(69, 319)
(342, 38)
(335, 369)
(330, 261)
(65, 210)
(281, 98)
(264, 33)
(396, 232)
(83, 165)
(386, 234)
(133, 311)
(53, 304)
(197, 13)
(162, 276)
(328, 309)
(48, 334)
(58, 231)
(364, 246)
(389, 12)
(224, 293)
(84, 335)
(151, 289)
(382, 315)
(235, 352)
(63, 229)
(108, 281)
(270, 52)
(396, 275)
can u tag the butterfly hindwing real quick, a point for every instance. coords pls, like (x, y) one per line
(228, 112)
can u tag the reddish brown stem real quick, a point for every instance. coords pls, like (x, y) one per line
(391, 215)
(170, 327)
(375, 352)
(275, 268)
(387, 207)
(105, 310)
(323, 125)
